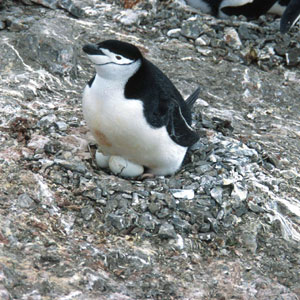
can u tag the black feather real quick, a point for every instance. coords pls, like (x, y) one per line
(290, 16)
(163, 104)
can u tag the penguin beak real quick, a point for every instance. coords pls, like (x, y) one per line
(91, 49)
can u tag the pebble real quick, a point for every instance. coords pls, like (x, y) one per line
(203, 40)
(175, 33)
(167, 231)
(190, 29)
(87, 212)
(75, 166)
(25, 201)
(293, 57)
(239, 193)
(62, 126)
(47, 121)
(181, 225)
(148, 221)
(38, 142)
(231, 37)
(2, 25)
(129, 17)
(117, 221)
(217, 193)
(183, 194)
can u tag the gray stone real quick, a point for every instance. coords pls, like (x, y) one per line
(52, 51)
(293, 57)
(167, 231)
(75, 166)
(69, 6)
(190, 29)
(2, 25)
(117, 221)
(232, 38)
(148, 221)
(174, 32)
(183, 194)
(87, 212)
(47, 121)
(181, 225)
(25, 201)
(62, 126)
(217, 193)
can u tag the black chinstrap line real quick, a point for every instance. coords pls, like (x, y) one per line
(115, 64)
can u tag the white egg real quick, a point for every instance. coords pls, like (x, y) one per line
(123, 167)
(101, 160)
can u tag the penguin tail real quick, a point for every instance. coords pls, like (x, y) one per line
(192, 98)
(290, 16)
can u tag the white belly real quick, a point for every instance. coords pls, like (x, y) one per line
(120, 128)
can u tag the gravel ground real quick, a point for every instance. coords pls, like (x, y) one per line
(226, 226)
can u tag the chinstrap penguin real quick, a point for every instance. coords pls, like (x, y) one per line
(252, 9)
(134, 111)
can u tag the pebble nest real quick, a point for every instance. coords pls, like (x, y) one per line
(226, 226)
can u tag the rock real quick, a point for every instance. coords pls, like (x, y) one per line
(2, 25)
(117, 221)
(14, 24)
(50, 50)
(38, 142)
(24, 201)
(129, 17)
(191, 28)
(216, 193)
(62, 126)
(74, 166)
(203, 40)
(166, 231)
(239, 193)
(148, 221)
(181, 225)
(232, 38)
(183, 194)
(47, 121)
(293, 57)
(87, 213)
(69, 6)
(175, 33)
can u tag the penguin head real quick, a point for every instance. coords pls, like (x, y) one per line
(114, 59)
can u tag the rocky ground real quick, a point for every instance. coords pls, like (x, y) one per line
(226, 226)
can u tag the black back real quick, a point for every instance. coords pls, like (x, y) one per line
(163, 104)
(250, 10)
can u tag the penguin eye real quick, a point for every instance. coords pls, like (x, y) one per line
(118, 57)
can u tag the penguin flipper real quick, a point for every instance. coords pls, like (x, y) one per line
(179, 129)
(290, 16)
